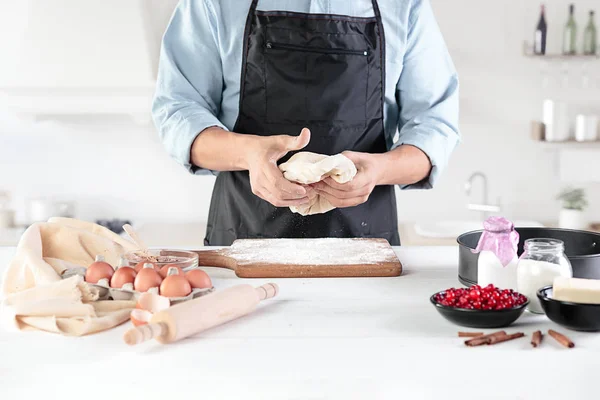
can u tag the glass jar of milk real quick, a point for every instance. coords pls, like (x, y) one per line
(541, 262)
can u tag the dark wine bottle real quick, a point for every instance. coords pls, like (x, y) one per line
(539, 46)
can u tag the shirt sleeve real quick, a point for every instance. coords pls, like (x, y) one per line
(428, 94)
(190, 80)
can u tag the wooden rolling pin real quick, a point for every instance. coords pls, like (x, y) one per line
(194, 316)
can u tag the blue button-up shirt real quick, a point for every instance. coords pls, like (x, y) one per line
(201, 59)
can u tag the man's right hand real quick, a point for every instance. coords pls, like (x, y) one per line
(266, 179)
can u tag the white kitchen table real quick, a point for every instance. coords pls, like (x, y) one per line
(374, 338)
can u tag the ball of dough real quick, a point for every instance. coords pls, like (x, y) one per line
(306, 168)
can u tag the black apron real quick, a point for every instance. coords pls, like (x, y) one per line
(320, 71)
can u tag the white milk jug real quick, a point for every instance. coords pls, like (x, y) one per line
(497, 248)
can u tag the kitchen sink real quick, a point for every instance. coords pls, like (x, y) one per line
(453, 229)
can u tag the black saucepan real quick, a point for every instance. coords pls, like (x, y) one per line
(581, 247)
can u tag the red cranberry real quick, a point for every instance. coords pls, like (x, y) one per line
(475, 297)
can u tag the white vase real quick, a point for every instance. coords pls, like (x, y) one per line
(572, 219)
(556, 121)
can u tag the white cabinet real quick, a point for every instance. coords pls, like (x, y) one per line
(80, 56)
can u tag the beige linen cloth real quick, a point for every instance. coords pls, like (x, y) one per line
(34, 296)
(306, 168)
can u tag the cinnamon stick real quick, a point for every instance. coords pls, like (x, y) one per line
(536, 338)
(562, 339)
(470, 334)
(485, 339)
(505, 338)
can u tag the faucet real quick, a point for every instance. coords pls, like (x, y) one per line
(484, 207)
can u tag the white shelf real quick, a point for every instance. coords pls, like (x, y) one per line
(528, 52)
(572, 144)
(563, 57)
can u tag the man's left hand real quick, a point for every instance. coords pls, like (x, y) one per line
(358, 190)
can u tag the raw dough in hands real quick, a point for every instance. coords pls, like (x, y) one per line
(306, 168)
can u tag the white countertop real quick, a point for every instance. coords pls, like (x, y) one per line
(374, 338)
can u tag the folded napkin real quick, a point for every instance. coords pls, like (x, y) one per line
(33, 294)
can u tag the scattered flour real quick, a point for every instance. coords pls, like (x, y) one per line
(326, 251)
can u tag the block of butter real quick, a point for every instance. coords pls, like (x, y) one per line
(576, 290)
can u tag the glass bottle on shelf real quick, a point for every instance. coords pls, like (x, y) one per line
(590, 37)
(570, 34)
(541, 261)
(541, 30)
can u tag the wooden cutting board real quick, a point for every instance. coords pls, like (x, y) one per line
(305, 258)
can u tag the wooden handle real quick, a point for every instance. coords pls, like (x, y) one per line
(215, 258)
(144, 333)
(267, 291)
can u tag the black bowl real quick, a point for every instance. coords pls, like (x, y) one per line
(574, 316)
(581, 247)
(482, 319)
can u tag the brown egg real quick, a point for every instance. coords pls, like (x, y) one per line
(175, 285)
(122, 276)
(99, 270)
(147, 278)
(198, 279)
(141, 264)
(164, 271)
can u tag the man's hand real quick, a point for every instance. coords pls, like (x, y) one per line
(358, 190)
(266, 179)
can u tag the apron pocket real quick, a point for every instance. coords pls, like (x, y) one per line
(319, 85)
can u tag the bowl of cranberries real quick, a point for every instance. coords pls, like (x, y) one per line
(477, 307)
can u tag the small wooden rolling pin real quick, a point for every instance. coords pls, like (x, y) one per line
(194, 316)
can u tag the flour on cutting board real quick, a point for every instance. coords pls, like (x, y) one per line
(326, 251)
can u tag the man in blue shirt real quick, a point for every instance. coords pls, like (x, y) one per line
(243, 84)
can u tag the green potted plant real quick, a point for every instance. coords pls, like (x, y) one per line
(574, 204)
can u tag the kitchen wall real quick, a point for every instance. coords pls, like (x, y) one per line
(502, 91)
(113, 167)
